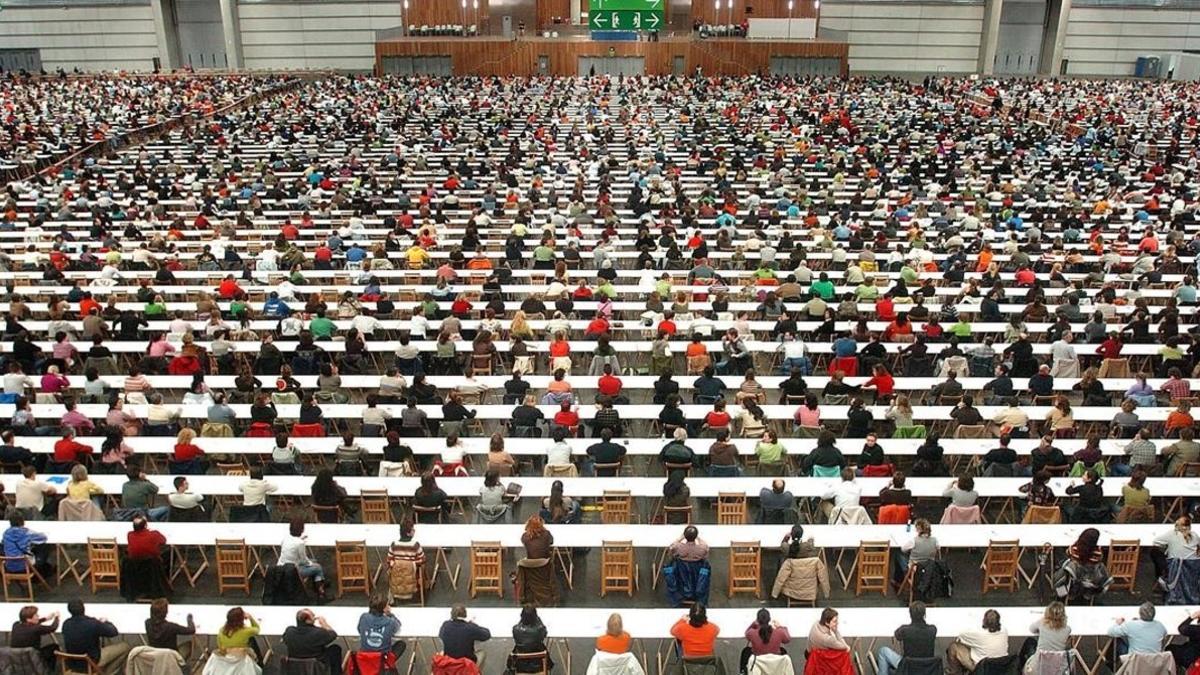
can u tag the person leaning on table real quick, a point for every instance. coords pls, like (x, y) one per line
(976, 644)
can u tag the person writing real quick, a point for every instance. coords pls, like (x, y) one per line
(313, 638)
(459, 635)
(764, 636)
(916, 640)
(694, 635)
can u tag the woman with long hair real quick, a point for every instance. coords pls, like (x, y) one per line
(558, 508)
(676, 493)
(764, 637)
(529, 637)
(825, 633)
(537, 539)
(235, 634)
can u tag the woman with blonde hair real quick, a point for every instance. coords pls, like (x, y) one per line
(187, 457)
(81, 488)
(519, 326)
(1052, 632)
(615, 640)
(900, 412)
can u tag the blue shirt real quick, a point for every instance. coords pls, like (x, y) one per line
(845, 346)
(275, 307)
(355, 254)
(17, 544)
(1143, 637)
(375, 631)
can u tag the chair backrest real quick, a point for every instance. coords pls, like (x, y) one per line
(999, 665)
(1042, 515)
(616, 507)
(819, 471)
(618, 570)
(352, 568)
(104, 564)
(873, 565)
(910, 665)
(1122, 563)
(745, 567)
(731, 508)
(375, 507)
(961, 515)
(487, 568)
(894, 514)
(233, 565)
(72, 664)
(971, 431)
(1000, 565)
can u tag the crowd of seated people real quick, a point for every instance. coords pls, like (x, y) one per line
(408, 279)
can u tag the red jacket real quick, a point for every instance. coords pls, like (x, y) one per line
(69, 450)
(828, 662)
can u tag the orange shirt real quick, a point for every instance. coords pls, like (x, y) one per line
(559, 348)
(1178, 420)
(618, 644)
(696, 349)
(696, 642)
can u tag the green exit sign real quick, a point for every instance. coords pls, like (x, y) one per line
(626, 14)
(624, 20)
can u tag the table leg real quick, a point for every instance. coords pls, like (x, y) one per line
(68, 566)
(658, 567)
(442, 564)
(568, 565)
(179, 564)
(846, 575)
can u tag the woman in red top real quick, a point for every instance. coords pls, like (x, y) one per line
(717, 418)
(186, 452)
(461, 307)
(560, 347)
(899, 326)
(882, 382)
(566, 416)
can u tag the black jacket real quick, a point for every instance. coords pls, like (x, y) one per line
(459, 637)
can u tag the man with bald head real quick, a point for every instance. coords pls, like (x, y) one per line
(312, 638)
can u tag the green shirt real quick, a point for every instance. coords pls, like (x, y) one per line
(237, 308)
(823, 289)
(155, 309)
(543, 254)
(240, 638)
(908, 274)
(866, 292)
(606, 289)
(321, 327)
(771, 453)
(962, 329)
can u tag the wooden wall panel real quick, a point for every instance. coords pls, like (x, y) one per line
(441, 12)
(705, 10)
(548, 9)
(520, 57)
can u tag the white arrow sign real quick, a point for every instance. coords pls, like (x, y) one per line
(654, 4)
(599, 20)
(653, 21)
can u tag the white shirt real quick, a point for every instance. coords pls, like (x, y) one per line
(1063, 351)
(453, 454)
(31, 494)
(846, 493)
(185, 500)
(255, 491)
(365, 324)
(16, 383)
(292, 551)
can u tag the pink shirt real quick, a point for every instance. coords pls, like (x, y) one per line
(52, 384)
(161, 348)
(808, 418)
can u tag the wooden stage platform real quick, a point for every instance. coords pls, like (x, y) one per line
(530, 56)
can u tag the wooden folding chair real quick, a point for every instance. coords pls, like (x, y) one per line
(873, 566)
(1123, 563)
(731, 508)
(616, 507)
(352, 569)
(1000, 566)
(745, 568)
(487, 568)
(65, 658)
(375, 507)
(233, 566)
(618, 568)
(686, 510)
(27, 577)
(104, 564)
